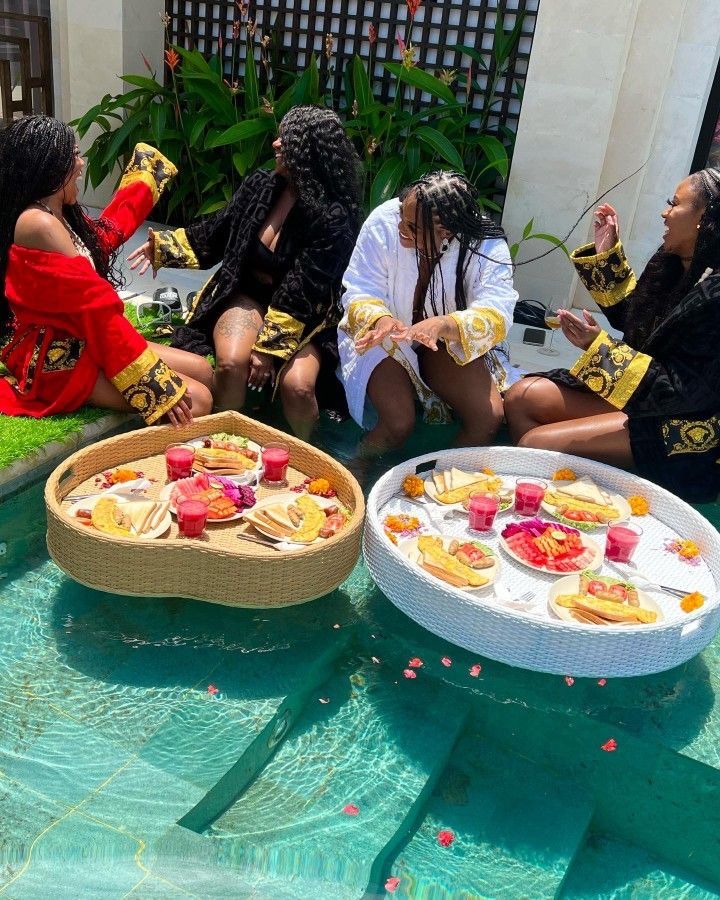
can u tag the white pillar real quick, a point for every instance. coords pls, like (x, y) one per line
(609, 86)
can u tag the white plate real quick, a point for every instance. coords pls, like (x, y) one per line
(587, 542)
(90, 504)
(431, 492)
(284, 499)
(409, 550)
(618, 501)
(248, 477)
(570, 584)
(165, 495)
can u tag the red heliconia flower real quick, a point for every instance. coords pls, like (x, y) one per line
(147, 63)
(401, 43)
(351, 810)
(569, 680)
(372, 34)
(609, 746)
(416, 663)
(220, 43)
(412, 6)
(391, 885)
(172, 58)
(445, 837)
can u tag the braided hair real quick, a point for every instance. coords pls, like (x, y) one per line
(37, 156)
(323, 164)
(664, 281)
(455, 202)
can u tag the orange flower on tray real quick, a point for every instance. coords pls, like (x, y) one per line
(402, 523)
(692, 602)
(564, 475)
(321, 487)
(120, 476)
(486, 470)
(685, 549)
(638, 505)
(413, 486)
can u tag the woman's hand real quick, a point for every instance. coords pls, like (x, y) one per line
(429, 331)
(607, 230)
(181, 413)
(262, 370)
(386, 326)
(144, 255)
(580, 332)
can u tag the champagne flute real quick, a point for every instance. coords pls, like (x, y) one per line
(552, 321)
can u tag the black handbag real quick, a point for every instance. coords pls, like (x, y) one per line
(530, 312)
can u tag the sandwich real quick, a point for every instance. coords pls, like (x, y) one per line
(215, 460)
(437, 561)
(455, 486)
(593, 607)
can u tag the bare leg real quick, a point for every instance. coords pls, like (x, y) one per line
(297, 391)
(538, 401)
(393, 396)
(602, 437)
(470, 391)
(234, 335)
(106, 396)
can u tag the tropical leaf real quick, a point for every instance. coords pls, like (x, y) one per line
(495, 153)
(361, 85)
(243, 131)
(441, 145)
(387, 181)
(422, 80)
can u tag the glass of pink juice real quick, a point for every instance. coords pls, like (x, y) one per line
(191, 517)
(529, 495)
(179, 459)
(621, 541)
(482, 510)
(275, 459)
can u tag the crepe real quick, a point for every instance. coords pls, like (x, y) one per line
(313, 520)
(104, 518)
(607, 609)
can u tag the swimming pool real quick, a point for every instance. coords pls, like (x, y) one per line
(163, 747)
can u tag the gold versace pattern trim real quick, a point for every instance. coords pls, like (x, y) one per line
(151, 167)
(480, 330)
(172, 250)
(691, 435)
(153, 390)
(32, 364)
(280, 334)
(607, 275)
(611, 369)
(361, 315)
(62, 354)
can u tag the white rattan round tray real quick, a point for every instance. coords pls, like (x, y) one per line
(485, 622)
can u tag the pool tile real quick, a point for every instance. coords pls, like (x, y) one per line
(79, 858)
(66, 762)
(22, 722)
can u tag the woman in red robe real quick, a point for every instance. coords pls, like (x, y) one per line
(64, 339)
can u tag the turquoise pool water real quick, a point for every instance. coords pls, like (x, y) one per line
(169, 748)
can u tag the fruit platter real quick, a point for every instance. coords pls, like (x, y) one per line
(635, 590)
(123, 515)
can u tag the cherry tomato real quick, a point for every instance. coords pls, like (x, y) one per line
(618, 590)
(596, 587)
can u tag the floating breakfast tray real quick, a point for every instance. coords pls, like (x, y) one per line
(528, 634)
(216, 567)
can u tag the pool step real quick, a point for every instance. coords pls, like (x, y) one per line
(514, 829)
(374, 744)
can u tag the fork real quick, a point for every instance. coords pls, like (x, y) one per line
(256, 540)
(504, 595)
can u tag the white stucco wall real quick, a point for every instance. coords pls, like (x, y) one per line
(610, 85)
(95, 41)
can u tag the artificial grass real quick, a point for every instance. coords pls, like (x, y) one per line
(20, 435)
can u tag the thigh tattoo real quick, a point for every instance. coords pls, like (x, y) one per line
(238, 322)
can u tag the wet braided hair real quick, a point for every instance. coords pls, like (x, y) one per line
(455, 202)
(321, 160)
(664, 281)
(37, 157)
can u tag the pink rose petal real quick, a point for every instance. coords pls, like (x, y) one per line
(609, 746)
(416, 663)
(391, 885)
(212, 690)
(445, 837)
(602, 682)
(569, 680)
(408, 673)
(446, 661)
(475, 670)
(351, 810)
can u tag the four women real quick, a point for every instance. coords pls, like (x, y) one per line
(428, 296)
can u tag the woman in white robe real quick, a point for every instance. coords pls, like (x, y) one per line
(428, 295)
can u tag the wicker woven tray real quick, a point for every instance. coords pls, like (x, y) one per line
(216, 567)
(529, 635)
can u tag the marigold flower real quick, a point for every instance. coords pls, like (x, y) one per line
(564, 475)
(172, 58)
(638, 505)
(486, 470)
(321, 487)
(692, 601)
(119, 476)
(688, 549)
(391, 537)
(413, 486)
(402, 523)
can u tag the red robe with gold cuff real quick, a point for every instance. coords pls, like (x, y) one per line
(68, 323)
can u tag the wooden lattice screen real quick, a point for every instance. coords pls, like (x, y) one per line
(304, 24)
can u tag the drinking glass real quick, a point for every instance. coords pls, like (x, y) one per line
(275, 459)
(191, 517)
(482, 509)
(179, 459)
(553, 323)
(621, 541)
(529, 494)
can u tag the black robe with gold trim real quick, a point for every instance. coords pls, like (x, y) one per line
(669, 387)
